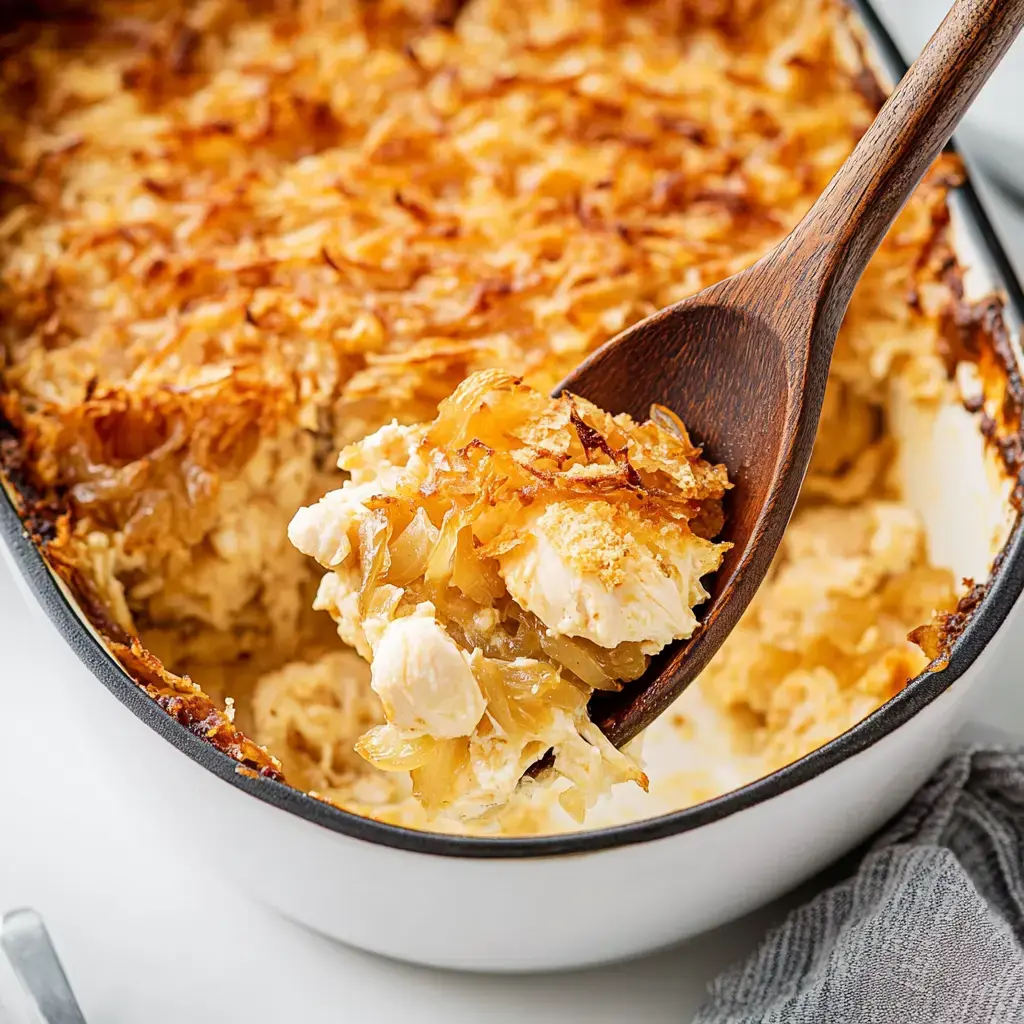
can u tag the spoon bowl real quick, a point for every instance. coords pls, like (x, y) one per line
(745, 362)
(721, 364)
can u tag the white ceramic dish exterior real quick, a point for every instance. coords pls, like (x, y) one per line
(538, 904)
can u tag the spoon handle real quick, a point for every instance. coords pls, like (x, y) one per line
(841, 232)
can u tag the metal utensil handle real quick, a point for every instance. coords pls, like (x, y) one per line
(30, 951)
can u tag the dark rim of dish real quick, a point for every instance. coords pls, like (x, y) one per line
(997, 597)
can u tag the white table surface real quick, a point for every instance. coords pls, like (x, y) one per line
(139, 952)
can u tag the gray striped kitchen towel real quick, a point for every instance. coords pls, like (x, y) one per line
(928, 930)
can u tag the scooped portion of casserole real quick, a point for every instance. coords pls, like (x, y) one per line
(497, 565)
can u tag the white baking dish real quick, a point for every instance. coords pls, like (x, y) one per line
(586, 897)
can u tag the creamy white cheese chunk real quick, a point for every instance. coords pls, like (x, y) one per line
(586, 575)
(424, 680)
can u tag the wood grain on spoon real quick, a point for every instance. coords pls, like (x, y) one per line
(744, 363)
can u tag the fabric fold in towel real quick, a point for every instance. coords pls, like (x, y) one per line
(928, 930)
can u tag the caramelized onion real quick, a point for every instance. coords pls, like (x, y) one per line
(385, 601)
(626, 769)
(522, 695)
(385, 747)
(442, 556)
(410, 553)
(476, 577)
(374, 559)
(625, 662)
(669, 421)
(492, 686)
(574, 804)
(574, 655)
(526, 641)
(530, 678)
(435, 782)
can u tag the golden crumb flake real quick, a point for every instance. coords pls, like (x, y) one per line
(598, 543)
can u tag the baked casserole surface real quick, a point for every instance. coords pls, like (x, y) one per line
(236, 237)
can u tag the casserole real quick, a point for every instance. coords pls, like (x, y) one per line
(413, 900)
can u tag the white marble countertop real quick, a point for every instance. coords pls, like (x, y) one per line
(140, 950)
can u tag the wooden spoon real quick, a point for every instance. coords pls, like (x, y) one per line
(744, 363)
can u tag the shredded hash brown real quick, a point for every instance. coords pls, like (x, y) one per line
(236, 236)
